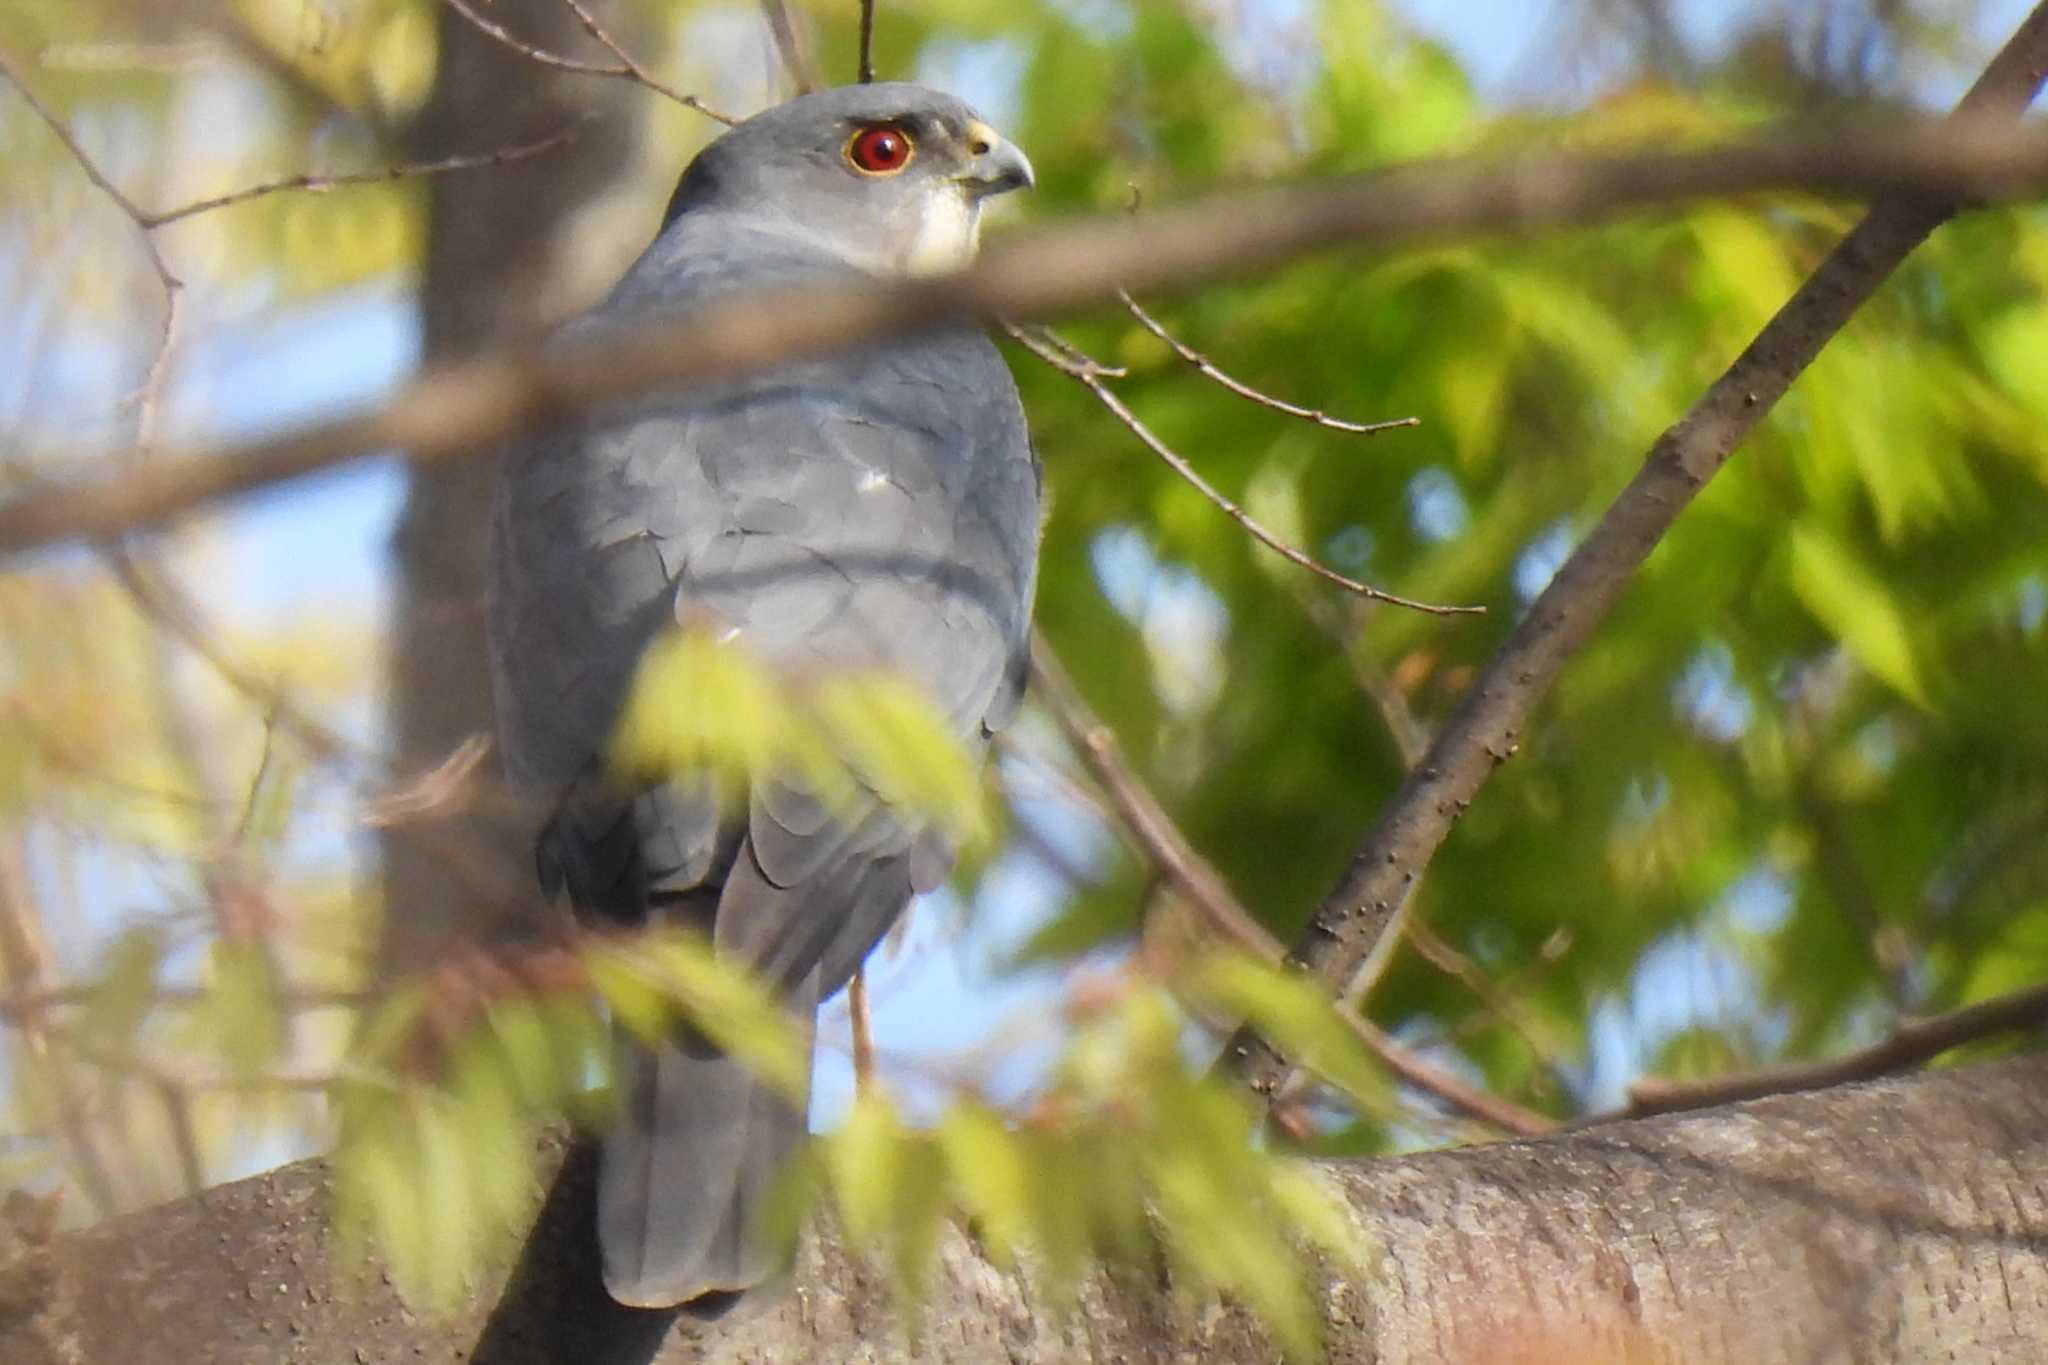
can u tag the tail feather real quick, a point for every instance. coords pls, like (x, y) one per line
(685, 1174)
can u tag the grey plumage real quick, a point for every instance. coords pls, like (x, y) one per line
(877, 507)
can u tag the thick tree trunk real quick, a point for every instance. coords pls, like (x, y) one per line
(496, 252)
(1903, 1221)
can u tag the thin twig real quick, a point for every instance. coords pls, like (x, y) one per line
(1469, 1100)
(1914, 1043)
(1498, 1004)
(245, 40)
(862, 1025)
(1075, 355)
(149, 396)
(461, 409)
(158, 368)
(184, 1136)
(792, 44)
(19, 1005)
(24, 964)
(1410, 735)
(1207, 368)
(867, 42)
(628, 69)
(1089, 376)
(167, 605)
(12, 71)
(147, 1070)
(1145, 821)
(1485, 728)
(1155, 835)
(504, 156)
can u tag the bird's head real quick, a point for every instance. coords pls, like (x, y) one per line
(889, 177)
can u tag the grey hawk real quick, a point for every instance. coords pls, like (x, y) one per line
(875, 508)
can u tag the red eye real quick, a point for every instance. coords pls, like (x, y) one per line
(879, 151)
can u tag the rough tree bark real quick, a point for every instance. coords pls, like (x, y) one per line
(496, 252)
(1901, 1221)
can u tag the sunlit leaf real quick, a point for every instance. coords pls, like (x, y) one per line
(990, 1166)
(1852, 603)
(657, 981)
(896, 740)
(1298, 1015)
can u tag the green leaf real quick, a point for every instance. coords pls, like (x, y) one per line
(1309, 1202)
(1298, 1016)
(894, 738)
(1205, 1187)
(865, 1162)
(241, 1014)
(653, 980)
(991, 1168)
(699, 704)
(1847, 598)
(126, 989)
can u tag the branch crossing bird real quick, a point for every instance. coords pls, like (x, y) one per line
(876, 508)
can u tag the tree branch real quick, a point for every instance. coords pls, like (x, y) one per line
(469, 407)
(1890, 1224)
(158, 368)
(626, 69)
(1914, 1043)
(317, 183)
(1483, 731)
(1089, 375)
(1159, 840)
(791, 44)
(1207, 368)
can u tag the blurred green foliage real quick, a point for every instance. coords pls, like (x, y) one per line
(702, 707)
(1803, 760)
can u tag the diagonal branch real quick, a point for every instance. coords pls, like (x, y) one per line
(467, 408)
(1155, 835)
(1914, 1043)
(1088, 375)
(158, 369)
(627, 68)
(314, 183)
(1484, 730)
(1207, 368)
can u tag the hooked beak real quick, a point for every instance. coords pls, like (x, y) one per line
(996, 165)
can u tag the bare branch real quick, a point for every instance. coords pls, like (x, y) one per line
(627, 69)
(1155, 835)
(242, 38)
(159, 598)
(503, 156)
(1089, 374)
(158, 368)
(11, 69)
(1209, 371)
(16, 1006)
(1145, 821)
(1344, 623)
(469, 407)
(792, 44)
(24, 965)
(1884, 1224)
(1914, 1043)
(1484, 730)
(867, 42)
